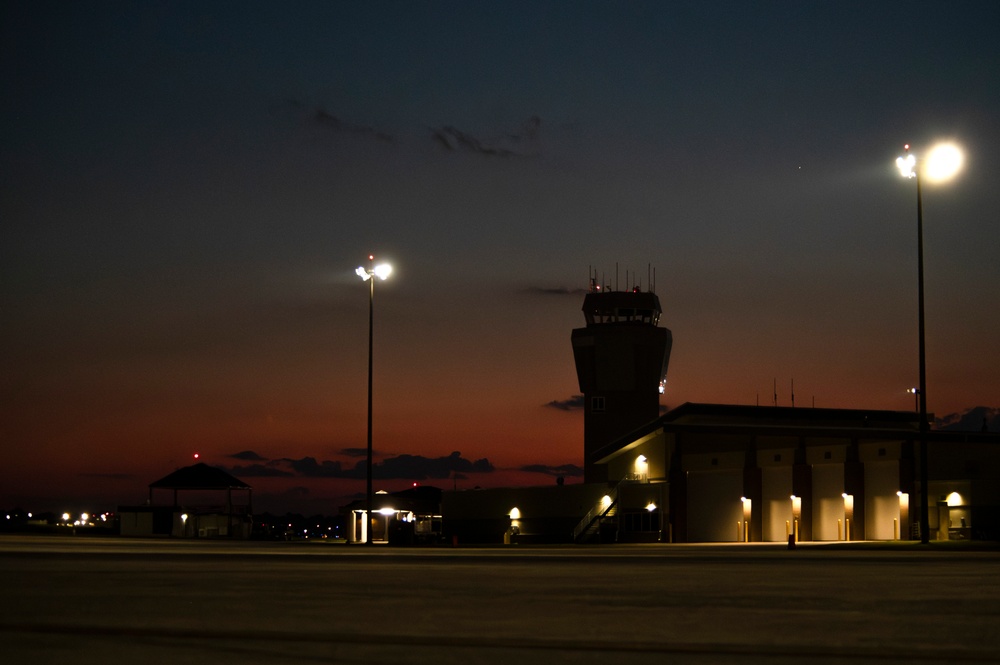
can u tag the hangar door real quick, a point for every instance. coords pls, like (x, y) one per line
(882, 502)
(714, 506)
(777, 511)
(828, 501)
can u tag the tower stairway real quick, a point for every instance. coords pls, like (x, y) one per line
(601, 517)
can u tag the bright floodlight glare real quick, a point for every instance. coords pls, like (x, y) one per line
(362, 273)
(906, 165)
(382, 270)
(942, 162)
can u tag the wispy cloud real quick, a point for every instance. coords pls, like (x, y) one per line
(976, 419)
(259, 471)
(520, 143)
(417, 467)
(453, 138)
(247, 456)
(523, 141)
(326, 119)
(310, 468)
(408, 467)
(574, 403)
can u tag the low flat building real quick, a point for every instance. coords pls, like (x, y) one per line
(730, 473)
(744, 473)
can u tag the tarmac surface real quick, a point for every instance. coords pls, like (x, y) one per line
(114, 600)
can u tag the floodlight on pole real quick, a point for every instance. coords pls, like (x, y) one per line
(382, 271)
(942, 162)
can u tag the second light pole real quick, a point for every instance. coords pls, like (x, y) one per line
(941, 163)
(382, 271)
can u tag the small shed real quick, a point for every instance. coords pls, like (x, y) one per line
(196, 509)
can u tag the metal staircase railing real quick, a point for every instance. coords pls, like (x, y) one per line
(591, 522)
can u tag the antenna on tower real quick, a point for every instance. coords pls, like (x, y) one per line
(793, 393)
(776, 392)
(616, 275)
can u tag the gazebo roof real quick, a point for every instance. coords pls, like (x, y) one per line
(199, 477)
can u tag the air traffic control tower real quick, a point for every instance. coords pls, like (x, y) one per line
(621, 363)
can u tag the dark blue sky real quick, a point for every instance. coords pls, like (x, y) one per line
(187, 188)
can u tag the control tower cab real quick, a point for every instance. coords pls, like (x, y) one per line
(621, 363)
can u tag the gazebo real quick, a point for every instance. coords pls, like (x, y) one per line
(197, 516)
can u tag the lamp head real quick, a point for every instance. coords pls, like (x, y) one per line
(907, 164)
(943, 162)
(382, 271)
(940, 164)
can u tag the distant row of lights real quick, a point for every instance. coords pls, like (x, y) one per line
(85, 519)
(67, 519)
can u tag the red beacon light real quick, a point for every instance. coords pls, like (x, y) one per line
(197, 455)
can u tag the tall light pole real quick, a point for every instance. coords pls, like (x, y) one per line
(369, 274)
(942, 162)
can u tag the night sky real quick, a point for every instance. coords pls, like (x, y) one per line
(187, 189)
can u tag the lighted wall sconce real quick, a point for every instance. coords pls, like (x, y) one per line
(848, 514)
(796, 515)
(747, 511)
